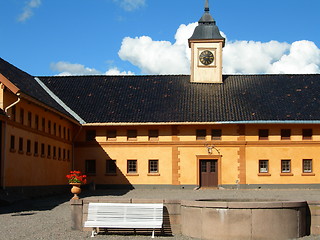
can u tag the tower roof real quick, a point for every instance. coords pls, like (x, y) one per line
(207, 28)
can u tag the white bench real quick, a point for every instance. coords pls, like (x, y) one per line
(124, 215)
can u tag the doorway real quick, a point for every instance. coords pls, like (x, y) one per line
(208, 172)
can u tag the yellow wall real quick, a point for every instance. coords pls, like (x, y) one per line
(238, 153)
(29, 169)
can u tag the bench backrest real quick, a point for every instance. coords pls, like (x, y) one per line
(126, 214)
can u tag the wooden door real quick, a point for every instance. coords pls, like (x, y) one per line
(209, 173)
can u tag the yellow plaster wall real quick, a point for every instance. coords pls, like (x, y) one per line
(121, 154)
(22, 169)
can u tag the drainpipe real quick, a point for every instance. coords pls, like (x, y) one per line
(5, 141)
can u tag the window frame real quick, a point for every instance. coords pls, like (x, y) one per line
(132, 135)
(92, 171)
(111, 135)
(307, 134)
(216, 134)
(153, 135)
(310, 167)
(263, 134)
(110, 164)
(285, 165)
(285, 134)
(201, 134)
(90, 134)
(262, 166)
(132, 163)
(151, 165)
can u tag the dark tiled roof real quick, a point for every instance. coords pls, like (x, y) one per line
(140, 99)
(28, 85)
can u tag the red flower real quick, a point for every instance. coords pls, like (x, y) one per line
(76, 177)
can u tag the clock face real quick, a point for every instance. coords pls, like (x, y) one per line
(206, 57)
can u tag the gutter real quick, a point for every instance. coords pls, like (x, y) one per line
(203, 123)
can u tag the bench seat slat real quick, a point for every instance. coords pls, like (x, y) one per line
(124, 215)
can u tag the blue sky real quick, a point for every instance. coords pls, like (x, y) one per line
(50, 37)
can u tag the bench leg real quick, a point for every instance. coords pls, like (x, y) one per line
(94, 232)
(152, 234)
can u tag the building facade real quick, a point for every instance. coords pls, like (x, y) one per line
(184, 131)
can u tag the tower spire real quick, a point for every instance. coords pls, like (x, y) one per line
(206, 6)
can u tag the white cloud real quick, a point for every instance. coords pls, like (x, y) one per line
(159, 57)
(116, 71)
(28, 10)
(130, 5)
(239, 57)
(76, 69)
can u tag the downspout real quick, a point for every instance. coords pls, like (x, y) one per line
(5, 141)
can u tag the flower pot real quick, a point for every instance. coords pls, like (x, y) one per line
(75, 190)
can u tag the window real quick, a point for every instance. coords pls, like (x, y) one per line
(13, 113)
(12, 143)
(42, 150)
(36, 148)
(263, 166)
(111, 166)
(153, 135)
(28, 147)
(307, 134)
(68, 132)
(36, 122)
(54, 152)
(43, 124)
(20, 145)
(59, 131)
(285, 134)
(21, 116)
(285, 166)
(153, 166)
(29, 119)
(49, 151)
(132, 135)
(64, 154)
(55, 129)
(111, 135)
(201, 134)
(263, 134)
(216, 134)
(90, 167)
(307, 165)
(64, 133)
(68, 155)
(90, 135)
(132, 166)
(49, 127)
(59, 153)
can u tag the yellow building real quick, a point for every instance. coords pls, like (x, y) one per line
(179, 131)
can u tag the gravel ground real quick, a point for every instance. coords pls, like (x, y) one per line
(49, 218)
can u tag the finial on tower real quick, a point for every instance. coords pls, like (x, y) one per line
(206, 6)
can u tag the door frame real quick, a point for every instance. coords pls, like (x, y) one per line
(208, 157)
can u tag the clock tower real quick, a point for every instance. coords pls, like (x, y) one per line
(206, 45)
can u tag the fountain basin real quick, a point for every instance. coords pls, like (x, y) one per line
(243, 219)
